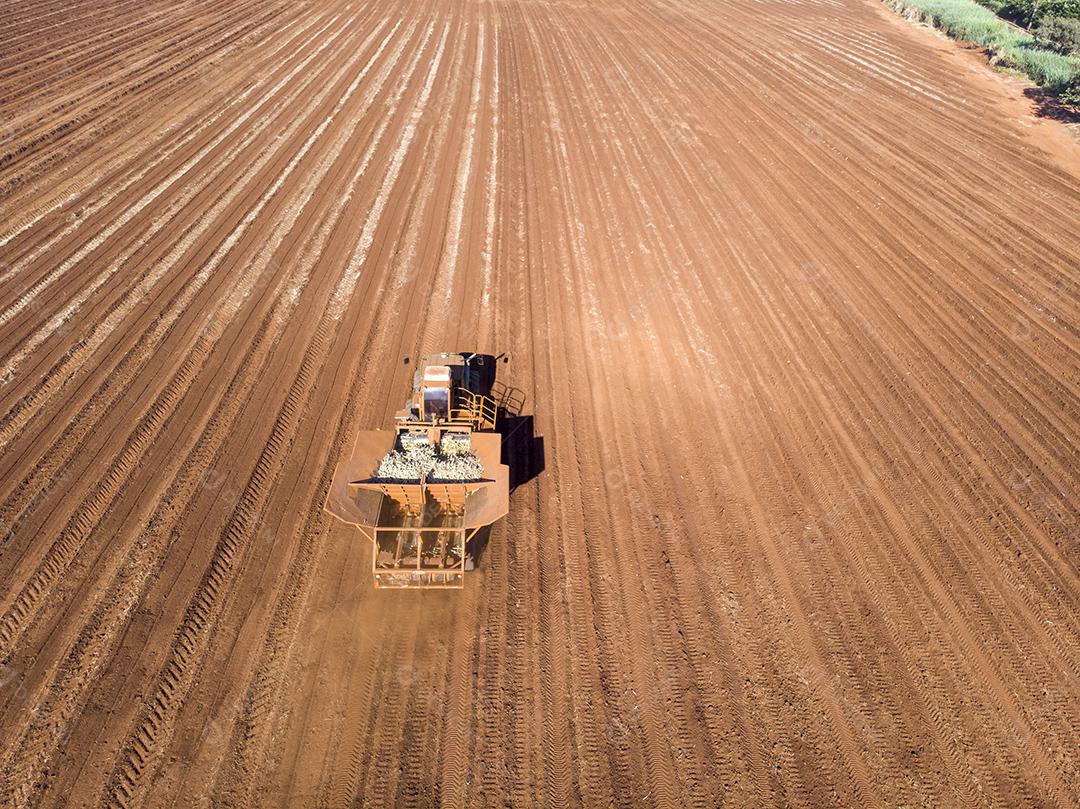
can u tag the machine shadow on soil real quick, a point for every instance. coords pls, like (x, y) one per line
(523, 452)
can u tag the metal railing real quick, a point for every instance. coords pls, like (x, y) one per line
(508, 399)
(475, 407)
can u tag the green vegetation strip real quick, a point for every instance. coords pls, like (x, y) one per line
(1007, 45)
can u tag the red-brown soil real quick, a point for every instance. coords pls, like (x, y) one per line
(791, 288)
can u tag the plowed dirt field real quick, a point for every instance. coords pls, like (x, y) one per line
(791, 288)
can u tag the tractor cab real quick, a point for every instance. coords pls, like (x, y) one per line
(453, 388)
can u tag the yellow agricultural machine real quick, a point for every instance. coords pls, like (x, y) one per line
(421, 491)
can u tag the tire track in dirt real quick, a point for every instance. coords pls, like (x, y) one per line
(606, 768)
(217, 324)
(355, 770)
(45, 473)
(640, 718)
(394, 286)
(616, 478)
(102, 237)
(515, 673)
(153, 728)
(104, 52)
(58, 376)
(555, 725)
(57, 559)
(164, 149)
(67, 136)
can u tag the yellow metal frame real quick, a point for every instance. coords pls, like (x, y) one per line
(479, 409)
(419, 577)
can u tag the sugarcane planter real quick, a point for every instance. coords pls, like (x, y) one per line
(421, 491)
